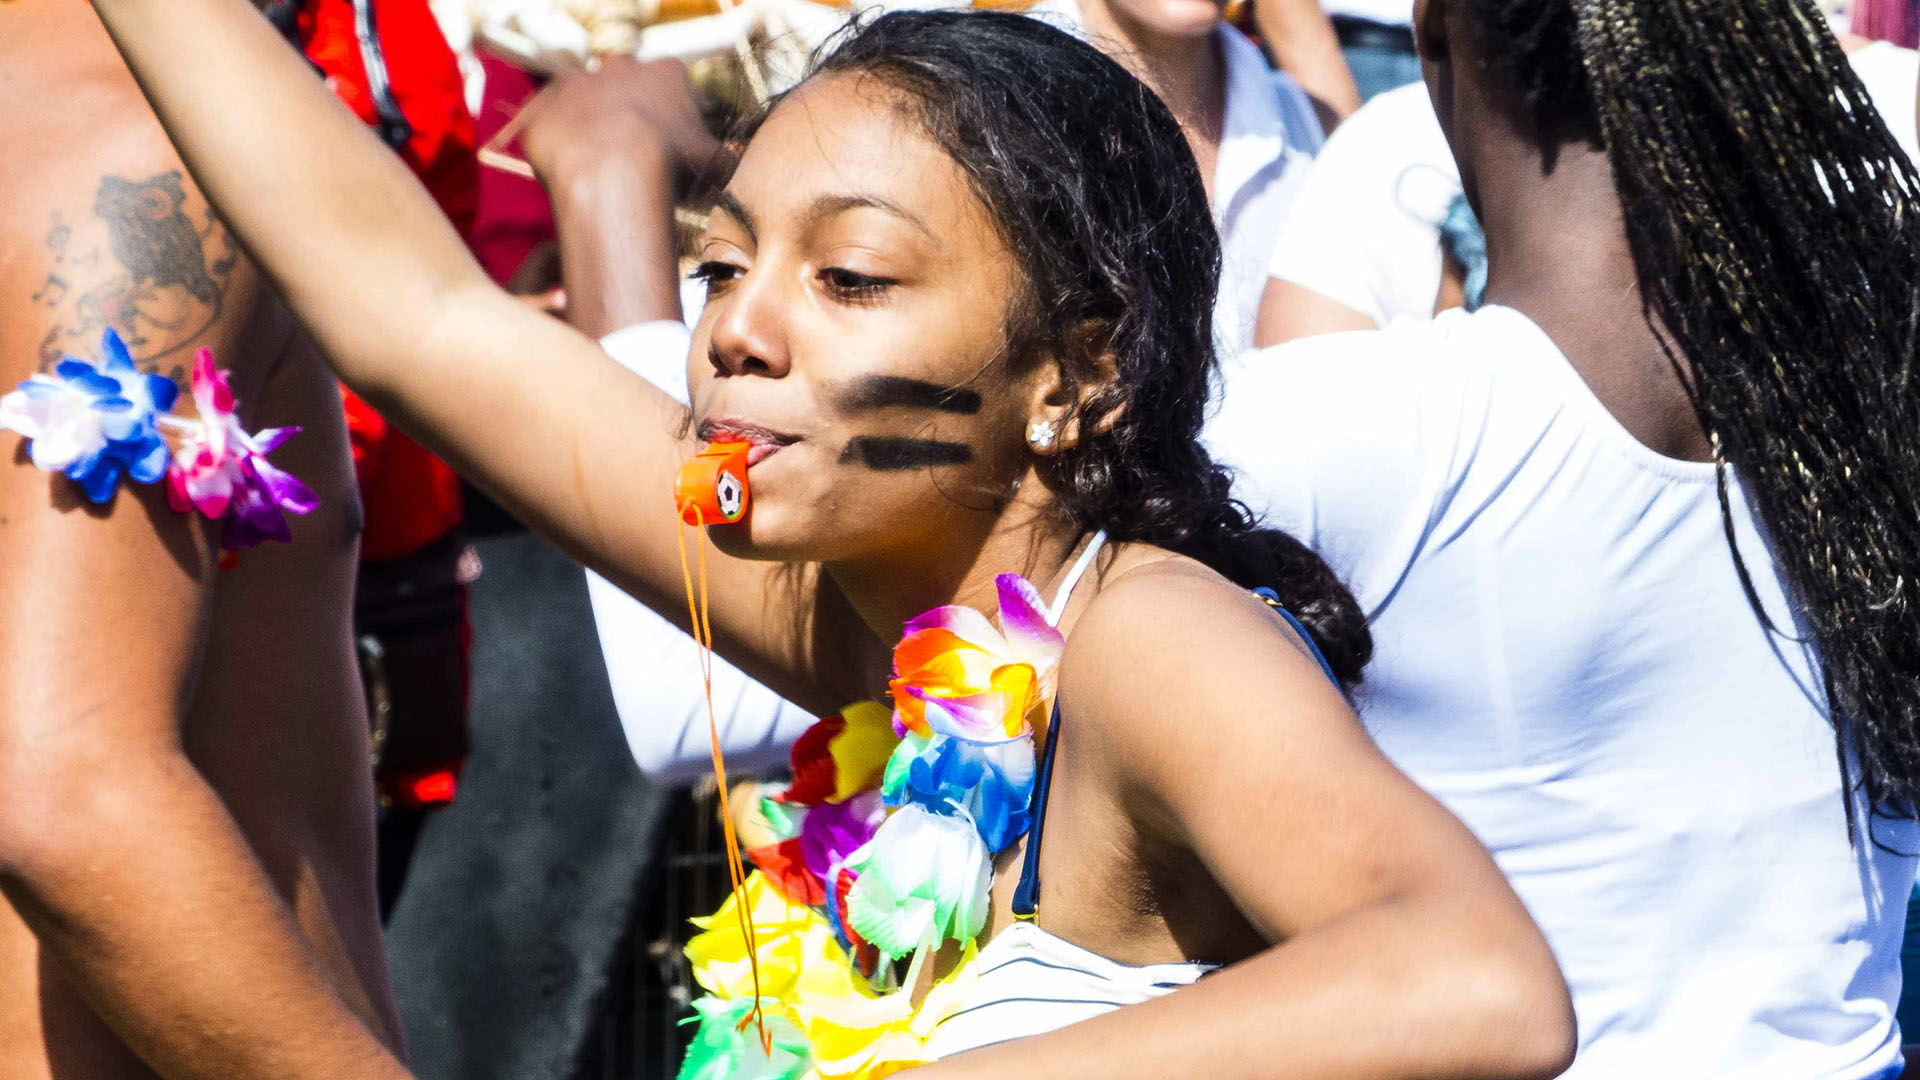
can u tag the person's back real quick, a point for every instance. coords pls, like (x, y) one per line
(130, 655)
(1606, 525)
(1566, 657)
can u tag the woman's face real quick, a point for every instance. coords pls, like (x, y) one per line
(1167, 18)
(854, 334)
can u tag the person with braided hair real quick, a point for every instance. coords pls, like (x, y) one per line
(1638, 540)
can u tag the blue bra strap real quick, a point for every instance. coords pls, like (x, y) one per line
(1026, 896)
(1273, 601)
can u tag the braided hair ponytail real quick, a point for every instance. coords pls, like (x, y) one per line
(1772, 220)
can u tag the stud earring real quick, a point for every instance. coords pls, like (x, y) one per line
(1040, 435)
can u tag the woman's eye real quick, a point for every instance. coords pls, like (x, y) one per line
(715, 274)
(847, 285)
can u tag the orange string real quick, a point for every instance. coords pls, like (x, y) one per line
(700, 622)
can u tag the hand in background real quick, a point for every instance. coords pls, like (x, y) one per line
(617, 149)
(627, 114)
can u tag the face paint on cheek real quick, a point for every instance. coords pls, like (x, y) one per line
(884, 454)
(873, 392)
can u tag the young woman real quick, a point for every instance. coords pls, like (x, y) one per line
(1253, 130)
(960, 294)
(1638, 538)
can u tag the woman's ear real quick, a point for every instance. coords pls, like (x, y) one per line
(1068, 388)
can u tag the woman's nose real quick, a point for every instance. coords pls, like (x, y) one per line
(749, 337)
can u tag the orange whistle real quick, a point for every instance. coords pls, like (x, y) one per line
(712, 488)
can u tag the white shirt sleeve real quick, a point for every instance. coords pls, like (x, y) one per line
(1364, 232)
(653, 666)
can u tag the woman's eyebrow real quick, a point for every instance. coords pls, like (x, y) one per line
(729, 203)
(828, 205)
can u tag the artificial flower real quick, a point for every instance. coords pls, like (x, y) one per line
(867, 1038)
(728, 1044)
(990, 780)
(787, 872)
(846, 889)
(924, 879)
(781, 819)
(831, 833)
(94, 422)
(796, 950)
(953, 670)
(817, 841)
(223, 472)
(866, 958)
(840, 756)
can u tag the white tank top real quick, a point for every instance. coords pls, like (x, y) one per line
(1564, 655)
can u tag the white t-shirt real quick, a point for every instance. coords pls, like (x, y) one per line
(1364, 231)
(1390, 12)
(1566, 659)
(1268, 141)
(1891, 74)
(653, 666)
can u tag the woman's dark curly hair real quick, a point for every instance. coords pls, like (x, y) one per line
(1772, 219)
(1093, 188)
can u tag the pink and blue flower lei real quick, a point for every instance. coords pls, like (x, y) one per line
(99, 423)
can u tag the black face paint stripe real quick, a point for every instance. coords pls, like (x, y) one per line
(894, 455)
(891, 391)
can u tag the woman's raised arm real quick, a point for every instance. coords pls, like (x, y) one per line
(580, 449)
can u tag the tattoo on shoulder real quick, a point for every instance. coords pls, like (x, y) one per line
(141, 265)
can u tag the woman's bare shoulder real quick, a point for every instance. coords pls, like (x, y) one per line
(1165, 635)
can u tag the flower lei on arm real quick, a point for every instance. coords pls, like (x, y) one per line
(889, 830)
(97, 423)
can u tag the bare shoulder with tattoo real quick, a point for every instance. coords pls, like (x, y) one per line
(101, 228)
(244, 667)
(141, 265)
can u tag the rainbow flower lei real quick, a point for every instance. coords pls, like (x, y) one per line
(888, 835)
(98, 423)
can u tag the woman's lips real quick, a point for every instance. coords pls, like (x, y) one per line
(762, 442)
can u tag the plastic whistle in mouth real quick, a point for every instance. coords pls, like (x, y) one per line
(712, 488)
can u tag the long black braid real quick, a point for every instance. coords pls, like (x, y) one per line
(1772, 223)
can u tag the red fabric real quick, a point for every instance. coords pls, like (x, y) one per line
(426, 84)
(411, 498)
(1887, 20)
(515, 216)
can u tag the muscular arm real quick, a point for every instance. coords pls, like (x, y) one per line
(528, 408)
(1401, 950)
(1301, 40)
(141, 889)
